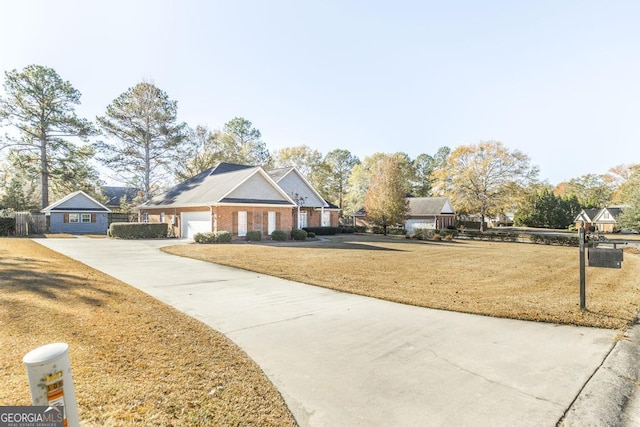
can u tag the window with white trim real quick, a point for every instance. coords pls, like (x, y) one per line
(85, 217)
(74, 217)
(326, 219)
(242, 223)
(271, 222)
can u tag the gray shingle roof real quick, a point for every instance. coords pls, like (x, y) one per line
(429, 206)
(209, 187)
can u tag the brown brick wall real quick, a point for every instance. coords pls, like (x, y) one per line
(226, 218)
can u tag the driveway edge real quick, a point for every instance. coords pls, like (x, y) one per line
(611, 396)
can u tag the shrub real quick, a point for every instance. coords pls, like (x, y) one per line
(7, 226)
(391, 230)
(253, 236)
(205, 238)
(279, 235)
(311, 234)
(555, 240)
(138, 230)
(297, 234)
(223, 236)
(322, 231)
(418, 233)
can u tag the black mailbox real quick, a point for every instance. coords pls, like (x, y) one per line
(605, 257)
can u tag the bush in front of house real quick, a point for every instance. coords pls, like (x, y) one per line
(223, 236)
(205, 238)
(7, 226)
(322, 231)
(253, 236)
(311, 235)
(138, 230)
(279, 235)
(297, 234)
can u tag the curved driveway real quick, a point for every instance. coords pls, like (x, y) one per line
(346, 360)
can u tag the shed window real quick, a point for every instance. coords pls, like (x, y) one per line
(74, 217)
(86, 217)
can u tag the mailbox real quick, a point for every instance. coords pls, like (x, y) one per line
(605, 257)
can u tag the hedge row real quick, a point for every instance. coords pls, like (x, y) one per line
(542, 239)
(210, 237)
(437, 235)
(7, 226)
(555, 240)
(329, 231)
(138, 230)
(483, 235)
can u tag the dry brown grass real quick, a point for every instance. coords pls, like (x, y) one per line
(514, 280)
(135, 361)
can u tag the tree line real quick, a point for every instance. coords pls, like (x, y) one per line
(47, 151)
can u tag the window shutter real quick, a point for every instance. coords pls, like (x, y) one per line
(234, 215)
(93, 217)
(66, 217)
(249, 221)
(278, 221)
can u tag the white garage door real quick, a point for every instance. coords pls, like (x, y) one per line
(412, 224)
(195, 222)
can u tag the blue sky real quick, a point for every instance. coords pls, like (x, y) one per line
(557, 80)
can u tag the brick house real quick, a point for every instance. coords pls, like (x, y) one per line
(433, 213)
(311, 209)
(238, 198)
(604, 220)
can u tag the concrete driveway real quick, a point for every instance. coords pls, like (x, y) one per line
(346, 360)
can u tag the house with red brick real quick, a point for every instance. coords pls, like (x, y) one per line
(239, 198)
(311, 209)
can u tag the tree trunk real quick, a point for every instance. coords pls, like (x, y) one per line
(147, 166)
(44, 174)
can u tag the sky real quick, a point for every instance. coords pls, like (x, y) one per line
(556, 80)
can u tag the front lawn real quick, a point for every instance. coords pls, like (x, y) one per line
(514, 280)
(135, 361)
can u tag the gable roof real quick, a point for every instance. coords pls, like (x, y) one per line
(587, 215)
(420, 206)
(78, 201)
(613, 211)
(280, 177)
(222, 184)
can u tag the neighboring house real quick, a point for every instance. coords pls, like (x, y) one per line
(606, 220)
(586, 218)
(503, 220)
(115, 195)
(237, 198)
(312, 210)
(77, 213)
(429, 212)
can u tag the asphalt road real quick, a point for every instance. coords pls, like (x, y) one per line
(346, 360)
